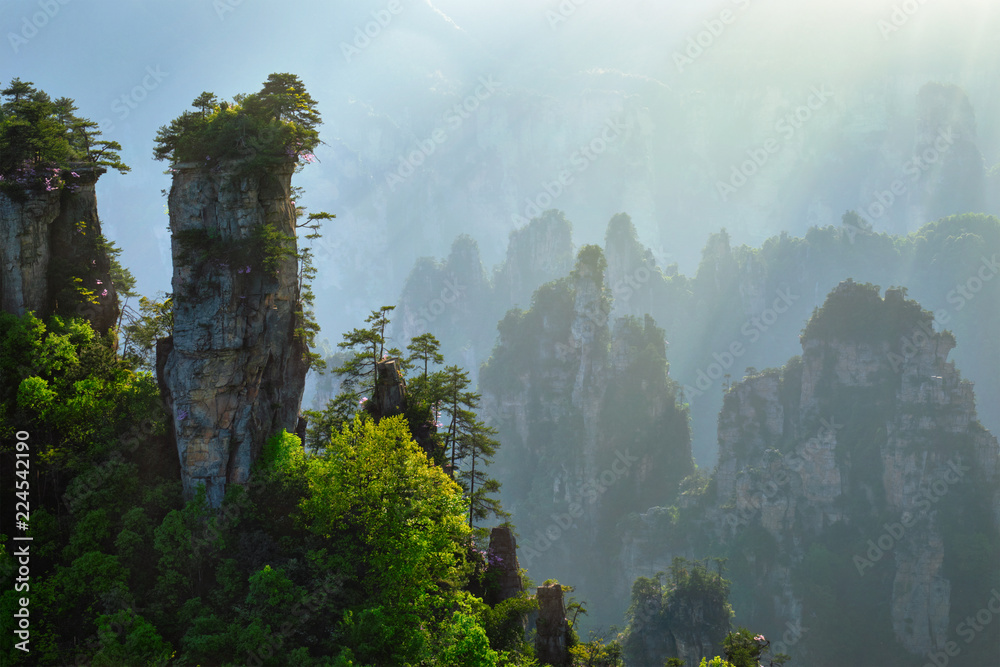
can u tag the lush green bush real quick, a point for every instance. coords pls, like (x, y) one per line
(42, 140)
(260, 129)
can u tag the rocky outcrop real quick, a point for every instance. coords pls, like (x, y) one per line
(52, 254)
(503, 565)
(591, 428)
(698, 630)
(538, 252)
(458, 302)
(234, 368)
(552, 627)
(389, 397)
(864, 437)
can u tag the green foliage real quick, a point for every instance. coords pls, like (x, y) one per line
(714, 662)
(597, 652)
(260, 130)
(352, 556)
(504, 623)
(308, 326)
(855, 312)
(265, 247)
(466, 643)
(127, 638)
(41, 141)
(281, 451)
(155, 320)
(425, 350)
(744, 649)
(65, 384)
(184, 572)
(375, 486)
(359, 376)
(466, 446)
(691, 602)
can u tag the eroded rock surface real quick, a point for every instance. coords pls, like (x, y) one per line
(52, 259)
(234, 368)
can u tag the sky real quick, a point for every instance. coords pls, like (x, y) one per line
(133, 66)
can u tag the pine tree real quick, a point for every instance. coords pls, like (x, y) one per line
(18, 89)
(35, 131)
(205, 103)
(285, 96)
(360, 373)
(478, 448)
(425, 348)
(457, 406)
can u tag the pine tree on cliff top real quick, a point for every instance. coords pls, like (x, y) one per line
(39, 138)
(259, 128)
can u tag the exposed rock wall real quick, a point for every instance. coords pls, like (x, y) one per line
(49, 248)
(591, 426)
(389, 397)
(502, 558)
(539, 252)
(234, 369)
(797, 465)
(552, 626)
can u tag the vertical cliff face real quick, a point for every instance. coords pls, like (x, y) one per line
(552, 626)
(591, 427)
(453, 301)
(539, 252)
(233, 371)
(863, 458)
(502, 558)
(53, 261)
